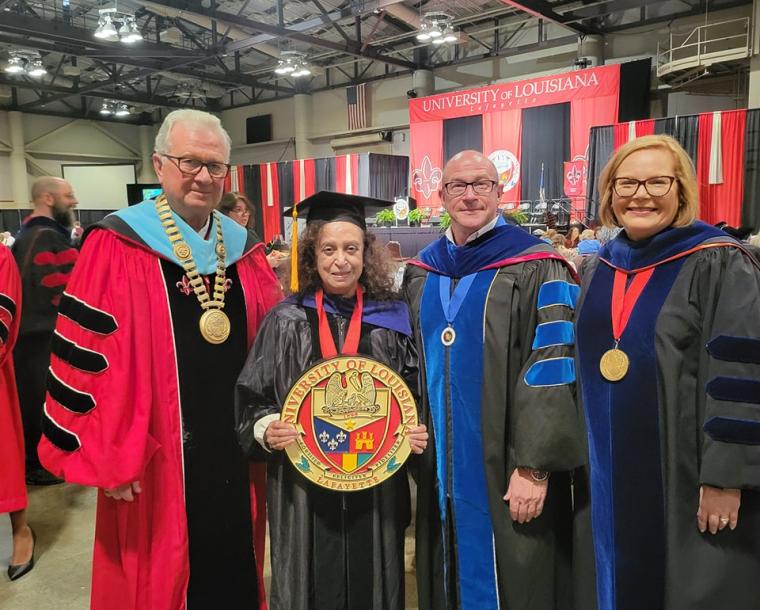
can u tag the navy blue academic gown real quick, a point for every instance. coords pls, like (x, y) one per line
(685, 414)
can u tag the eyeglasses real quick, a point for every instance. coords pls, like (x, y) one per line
(480, 187)
(241, 211)
(658, 186)
(192, 167)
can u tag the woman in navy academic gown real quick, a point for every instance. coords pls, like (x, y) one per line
(668, 351)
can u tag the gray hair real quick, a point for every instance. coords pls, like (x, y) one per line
(190, 118)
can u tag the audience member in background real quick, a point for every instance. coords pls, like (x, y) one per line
(13, 497)
(588, 246)
(155, 326)
(573, 235)
(45, 258)
(668, 348)
(238, 207)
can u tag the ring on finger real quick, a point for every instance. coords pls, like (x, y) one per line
(724, 521)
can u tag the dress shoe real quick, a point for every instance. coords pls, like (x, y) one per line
(17, 571)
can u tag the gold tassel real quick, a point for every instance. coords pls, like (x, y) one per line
(294, 251)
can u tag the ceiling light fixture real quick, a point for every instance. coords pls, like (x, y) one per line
(108, 20)
(292, 63)
(112, 107)
(25, 62)
(436, 27)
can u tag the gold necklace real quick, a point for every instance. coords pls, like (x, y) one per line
(214, 323)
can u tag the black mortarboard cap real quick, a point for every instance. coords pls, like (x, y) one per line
(333, 207)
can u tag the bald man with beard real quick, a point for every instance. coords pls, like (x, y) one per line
(45, 257)
(494, 516)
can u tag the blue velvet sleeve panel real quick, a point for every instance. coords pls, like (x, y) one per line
(729, 296)
(545, 419)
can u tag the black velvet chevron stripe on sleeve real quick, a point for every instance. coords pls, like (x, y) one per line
(87, 317)
(63, 439)
(7, 303)
(78, 357)
(68, 397)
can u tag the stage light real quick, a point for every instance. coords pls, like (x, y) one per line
(436, 27)
(106, 29)
(36, 69)
(15, 65)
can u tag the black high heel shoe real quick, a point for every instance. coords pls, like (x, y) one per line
(17, 571)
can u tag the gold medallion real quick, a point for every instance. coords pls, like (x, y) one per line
(221, 251)
(182, 251)
(352, 415)
(448, 336)
(215, 326)
(614, 364)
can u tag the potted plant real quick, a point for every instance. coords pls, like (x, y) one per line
(445, 221)
(415, 217)
(518, 216)
(385, 218)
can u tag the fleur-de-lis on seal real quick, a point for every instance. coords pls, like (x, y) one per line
(427, 178)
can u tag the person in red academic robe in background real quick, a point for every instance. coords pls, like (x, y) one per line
(13, 498)
(153, 330)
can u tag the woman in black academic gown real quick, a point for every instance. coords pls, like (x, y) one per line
(331, 550)
(668, 348)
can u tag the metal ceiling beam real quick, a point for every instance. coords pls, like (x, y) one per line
(608, 8)
(352, 48)
(330, 23)
(80, 42)
(118, 96)
(666, 18)
(545, 10)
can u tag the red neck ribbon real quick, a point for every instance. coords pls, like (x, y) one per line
(326, 341)
(624, 300)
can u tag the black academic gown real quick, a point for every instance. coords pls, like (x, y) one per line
(330, 550)
(497, 382)
(684, 415)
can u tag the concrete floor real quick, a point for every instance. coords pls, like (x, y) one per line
(63, 517)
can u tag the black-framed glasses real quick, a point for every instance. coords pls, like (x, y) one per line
(657, 186)
(480, 187)
(191, 167)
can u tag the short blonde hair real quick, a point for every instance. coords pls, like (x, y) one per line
(688, 193)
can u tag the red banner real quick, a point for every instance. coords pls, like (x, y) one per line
(720, 166)
(304, 179)
(347, 174)
(502, 134)
(553, 89)
(427, 162)
(574, 173)
(270, 201)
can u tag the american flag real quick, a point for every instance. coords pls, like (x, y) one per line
(357, 106)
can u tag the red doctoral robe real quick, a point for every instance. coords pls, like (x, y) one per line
(116, 414)
(12, 485)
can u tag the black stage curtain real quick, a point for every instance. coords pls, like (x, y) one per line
(324, 169)
(10, 220)
(465, 133)
(251, 183)
(600, 148)
(285, 183)
(687, 134)
(545, 140)
(389, 176)
(665, 127)
(90, 217)
(635, 79)
(751, 203)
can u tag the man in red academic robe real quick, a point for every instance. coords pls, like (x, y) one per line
(13, 498)
(153, 330)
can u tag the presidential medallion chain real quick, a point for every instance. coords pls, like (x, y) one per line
(214, 323)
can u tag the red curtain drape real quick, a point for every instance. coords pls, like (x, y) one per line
(342, 182)
(722, 202)
(306, 187)
(270, 201)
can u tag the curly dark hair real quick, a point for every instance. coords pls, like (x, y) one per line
(376, 278)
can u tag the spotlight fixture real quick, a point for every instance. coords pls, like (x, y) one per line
(436, 27)
(127, 31)
(292, 63)
(111, 107)
(25, 62)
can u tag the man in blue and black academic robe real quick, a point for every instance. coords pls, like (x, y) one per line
(492, 309)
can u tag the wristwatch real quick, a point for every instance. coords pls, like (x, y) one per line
(539, 476)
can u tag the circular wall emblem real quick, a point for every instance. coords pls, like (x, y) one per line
(352, 414)
(508, 167)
